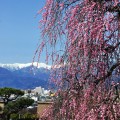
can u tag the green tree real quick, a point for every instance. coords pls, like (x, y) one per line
(17, 106)
(5, 94)
(13, 104)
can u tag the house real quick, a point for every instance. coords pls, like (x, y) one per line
(42, 106)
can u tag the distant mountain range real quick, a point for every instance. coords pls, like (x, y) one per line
(24, 76)
(28, 76)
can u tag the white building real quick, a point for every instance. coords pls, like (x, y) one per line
(41, 91)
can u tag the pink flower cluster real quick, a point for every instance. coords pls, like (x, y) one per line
(82, 38)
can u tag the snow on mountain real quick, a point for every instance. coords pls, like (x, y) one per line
(24, 76)
(17, 66)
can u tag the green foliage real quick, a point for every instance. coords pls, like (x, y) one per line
(18, 105)
(29, 116)
(13, 104)
(14, 116)
(9, 91)
(26, 116)
(6, 93)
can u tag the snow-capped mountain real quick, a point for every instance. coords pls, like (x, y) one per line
(17, 66)
(24, 76)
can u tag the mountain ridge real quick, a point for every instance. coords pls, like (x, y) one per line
(16, 66)
(26, 77)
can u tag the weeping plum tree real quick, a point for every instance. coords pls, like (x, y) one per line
(82, 38)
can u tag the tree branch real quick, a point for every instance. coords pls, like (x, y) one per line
(109, 73)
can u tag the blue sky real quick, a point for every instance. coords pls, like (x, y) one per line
(19, 32)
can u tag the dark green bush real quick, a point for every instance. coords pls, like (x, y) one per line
(26, 116)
